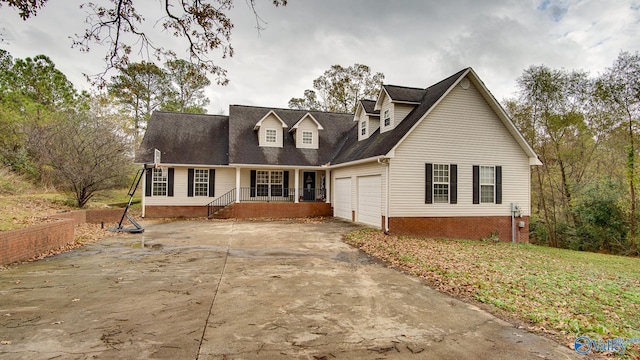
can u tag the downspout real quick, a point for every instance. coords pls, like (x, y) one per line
(386, 161)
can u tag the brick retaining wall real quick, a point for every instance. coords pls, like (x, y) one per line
(22, 244)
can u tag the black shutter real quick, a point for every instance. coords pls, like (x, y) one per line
(428, 180)
(170, 182)
(212, 182)
(148, 182)
(453, 184)
(498, 184)
(285, 186)
(253, 183)
(190, 175)
(476, 184)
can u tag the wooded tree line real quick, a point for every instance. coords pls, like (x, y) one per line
(585, 131)
(80, 142)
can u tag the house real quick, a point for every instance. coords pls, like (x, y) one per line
(442, 161)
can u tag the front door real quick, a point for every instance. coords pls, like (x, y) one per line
(309, 185)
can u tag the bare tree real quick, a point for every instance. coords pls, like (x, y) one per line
(85, 153)
(205, 26)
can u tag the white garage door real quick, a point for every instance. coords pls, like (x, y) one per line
(342, 201)
(369, 200)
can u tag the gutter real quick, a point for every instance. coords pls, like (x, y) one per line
(386, 161)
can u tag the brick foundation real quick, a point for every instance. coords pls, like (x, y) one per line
(22, 244)
(245, 211)
(473, 228)
(175, 211)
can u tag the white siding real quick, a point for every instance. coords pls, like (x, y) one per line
(354, 172)
(374, 124)
(307, 125)
(400, 111)
(224, 181)
(271, 122)
(386, 105)
(461, 130)
(363, 117)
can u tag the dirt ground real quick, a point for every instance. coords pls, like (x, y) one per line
(241, 290)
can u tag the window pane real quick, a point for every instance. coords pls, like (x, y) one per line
(307, 137)
(440, 183)
(487, 185)
(441, 193)
(158, 183)
(486, 193)
(271, 135)
(262, 190)
(201, 182)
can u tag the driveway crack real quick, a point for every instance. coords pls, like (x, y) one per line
(215, 295)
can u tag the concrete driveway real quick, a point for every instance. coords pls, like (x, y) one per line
(241, 290)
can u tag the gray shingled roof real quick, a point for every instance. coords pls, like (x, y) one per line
(381, 143)
(404, 94)
(369, 106)
(222, 140)
(243, 140)
(186, 139)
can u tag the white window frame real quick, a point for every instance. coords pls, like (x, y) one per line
(387, 117)
(363, 128)
(201, 182)
(269, 183)
(159, 182)
(270, 136)
(486, 183)
(307, 137)
(440, 177)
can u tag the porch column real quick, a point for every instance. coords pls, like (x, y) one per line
(327, 185)
(237, 185)
(296, 194)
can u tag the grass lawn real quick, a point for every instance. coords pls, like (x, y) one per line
(559, 292)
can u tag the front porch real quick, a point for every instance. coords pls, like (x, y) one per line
(266, 195)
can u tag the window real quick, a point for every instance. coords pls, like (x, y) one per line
(159, 183)
(363, 128)
(487, 184)
(201, 182)
(440, 183)
(307, 137)
(262, 183)
(270, 135)
(266, 180)
(387, 117)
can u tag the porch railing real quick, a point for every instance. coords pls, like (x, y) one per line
(221, 202)
(265, 194)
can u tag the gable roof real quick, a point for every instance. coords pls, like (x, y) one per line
(243, 141)
(196, 139)
(307, 115)
(259, 123)
(369, 107)
(379, 144)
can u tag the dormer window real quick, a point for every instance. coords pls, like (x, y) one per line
(307, 137)
(271, 136)
(387, 117)
(305, 132)
(363, 128)
(270, 130)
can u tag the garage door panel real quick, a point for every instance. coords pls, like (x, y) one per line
(369, 200)
(342, 204)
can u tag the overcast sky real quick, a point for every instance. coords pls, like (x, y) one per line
(413, 42)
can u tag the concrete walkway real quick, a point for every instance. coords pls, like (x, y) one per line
(241, 290)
